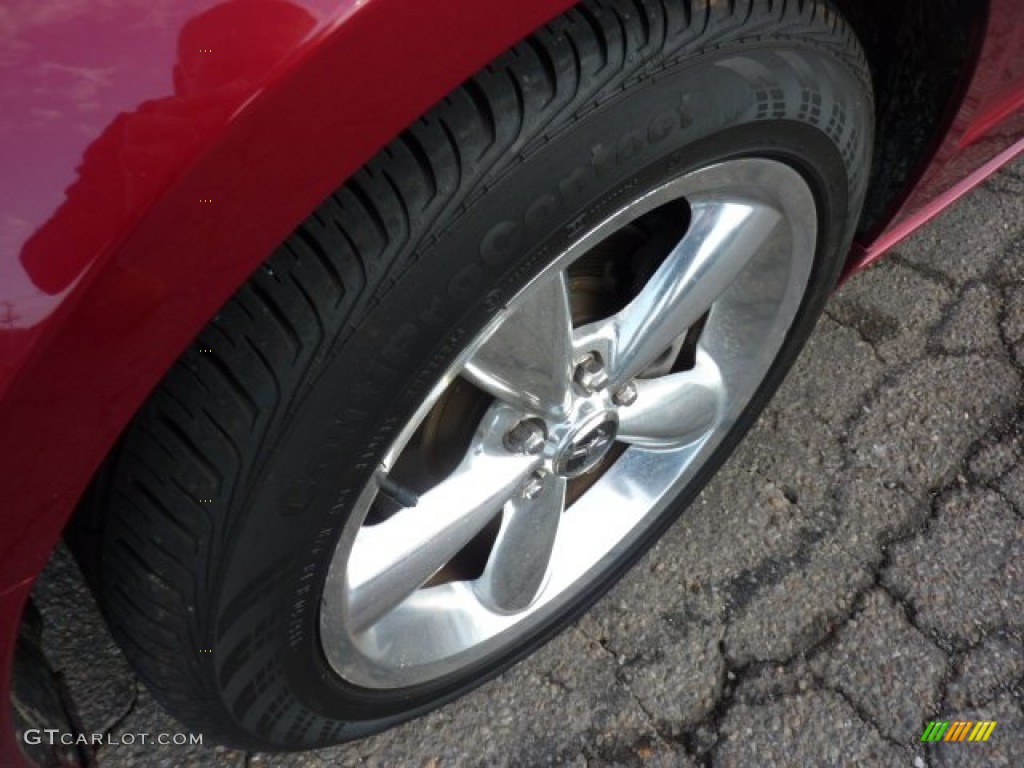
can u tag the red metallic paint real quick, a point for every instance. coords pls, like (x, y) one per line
(153, 156)
(862, 256)
(987, 132)
(179, 198)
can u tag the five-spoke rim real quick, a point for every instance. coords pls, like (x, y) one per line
(563, 398)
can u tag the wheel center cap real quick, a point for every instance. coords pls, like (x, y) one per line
(585, 444)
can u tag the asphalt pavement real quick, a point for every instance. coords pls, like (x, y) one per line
(855, 571)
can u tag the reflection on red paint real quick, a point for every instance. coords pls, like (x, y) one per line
(143, 146)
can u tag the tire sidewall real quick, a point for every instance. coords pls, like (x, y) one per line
(425, 312)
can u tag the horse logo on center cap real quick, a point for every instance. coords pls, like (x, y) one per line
(586, 452)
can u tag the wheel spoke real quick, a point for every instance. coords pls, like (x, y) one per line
(722, 238)
(392, 559)
(518, 563)
(528, 361)
(676, 409)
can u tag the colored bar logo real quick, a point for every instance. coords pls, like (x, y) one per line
(958, 730)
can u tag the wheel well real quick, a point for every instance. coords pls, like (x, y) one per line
(922, 54)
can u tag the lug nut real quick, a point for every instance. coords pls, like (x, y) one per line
(527, 437)
(533, 486)
(590, 374)
(626, 396)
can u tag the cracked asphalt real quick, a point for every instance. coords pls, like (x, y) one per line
(854, 571)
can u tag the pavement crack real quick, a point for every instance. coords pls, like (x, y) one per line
(1002, 323)
(962, 477)
(831, 314)
(666, 740)
(944, 645)
(1002, 495)
(865, 716)
(926, 272)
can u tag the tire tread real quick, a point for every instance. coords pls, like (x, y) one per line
(233, 389)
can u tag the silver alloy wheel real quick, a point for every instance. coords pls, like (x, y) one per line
(562, 396)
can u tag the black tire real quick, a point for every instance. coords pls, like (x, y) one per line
(217, 515)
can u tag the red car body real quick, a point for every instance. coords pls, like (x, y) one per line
(153, 154)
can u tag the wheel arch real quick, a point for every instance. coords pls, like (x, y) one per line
(152, 283)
